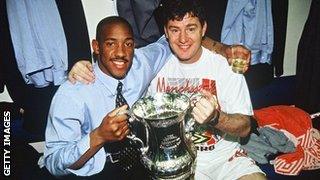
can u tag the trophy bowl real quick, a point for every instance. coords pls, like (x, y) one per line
(168, 152)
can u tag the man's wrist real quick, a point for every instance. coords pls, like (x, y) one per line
(215, 120)
(95, 138)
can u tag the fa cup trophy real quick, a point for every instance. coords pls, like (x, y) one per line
(168, 151)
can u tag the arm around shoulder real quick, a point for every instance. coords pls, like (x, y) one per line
(155, 54)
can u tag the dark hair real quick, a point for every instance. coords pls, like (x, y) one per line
(177, 9)
(109, 21)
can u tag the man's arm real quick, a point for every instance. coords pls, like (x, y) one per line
(82, 71)
(234, 124)
(95, 145)
(154, 55)
(112, 128)
(228, 51)
(215, 46)
(205, 111)
(68, 149)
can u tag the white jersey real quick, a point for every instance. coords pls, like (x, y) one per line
(211, 73)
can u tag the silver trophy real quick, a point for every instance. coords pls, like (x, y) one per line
(168, 151)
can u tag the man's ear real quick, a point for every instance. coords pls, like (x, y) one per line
(95, 46)
(204, 29)
(165, 31)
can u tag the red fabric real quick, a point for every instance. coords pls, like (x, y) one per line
(296, 122)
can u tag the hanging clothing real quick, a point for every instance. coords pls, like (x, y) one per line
(39, 41)
(140, 14)
(297, 126)
(249, 22)
(36, 101)
(9, 72)
(308, 63)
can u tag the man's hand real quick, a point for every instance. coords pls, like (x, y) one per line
(238, 51)
(114, 126)
(82, 71)
(228, 51)
(206, 108)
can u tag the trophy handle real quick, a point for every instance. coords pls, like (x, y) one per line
(189, 125)
(144, 146)
(194, 98)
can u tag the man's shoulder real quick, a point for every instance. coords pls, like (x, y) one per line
(218, 63)
(214, 57)
(73, 90)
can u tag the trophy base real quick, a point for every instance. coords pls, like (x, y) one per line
(185, 176)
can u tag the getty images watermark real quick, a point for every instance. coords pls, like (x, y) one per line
(6, 143)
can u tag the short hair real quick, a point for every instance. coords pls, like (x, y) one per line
(109, 21)
(177, 9)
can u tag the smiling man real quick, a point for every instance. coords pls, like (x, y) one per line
(85, 136)
(222, 114)
(115, 48)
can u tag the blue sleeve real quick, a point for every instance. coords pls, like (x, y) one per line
(155, 55)
(258, 31)
(250, 23)
(39, 41)
(65, 141)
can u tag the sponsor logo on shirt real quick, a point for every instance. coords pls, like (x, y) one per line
(185, 85)
(204, 141)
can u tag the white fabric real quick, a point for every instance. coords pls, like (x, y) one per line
(229, 165)
(212, 73)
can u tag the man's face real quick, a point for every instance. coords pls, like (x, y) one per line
(115, 50)
(185, 38)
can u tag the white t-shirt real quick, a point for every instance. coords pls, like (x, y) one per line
(212, 72)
